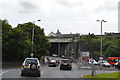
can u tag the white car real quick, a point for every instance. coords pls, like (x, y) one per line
(54, 55)
(104, 63)
(31, 66)
(94, 62)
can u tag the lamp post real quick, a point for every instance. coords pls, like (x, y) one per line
(33, 38)
(59, 45)
(101, 42)
(101, 35)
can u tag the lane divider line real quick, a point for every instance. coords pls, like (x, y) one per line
(6, 71)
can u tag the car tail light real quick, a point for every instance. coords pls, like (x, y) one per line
(22, 66)
(38, 67)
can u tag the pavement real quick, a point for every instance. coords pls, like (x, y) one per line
(88, 67)
(85, 65)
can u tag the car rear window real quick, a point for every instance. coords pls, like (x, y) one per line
(52, 61)
(29, 61)
(105, 62)
(65, 61)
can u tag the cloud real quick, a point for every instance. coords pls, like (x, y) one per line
(119, 17)
(66, 15)
(27, 7)
(107, 6)
(70, 3)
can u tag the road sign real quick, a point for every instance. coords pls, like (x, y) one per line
(85, 54)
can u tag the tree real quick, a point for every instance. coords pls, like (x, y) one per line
(107, 44)
(6, 32)
(92, 35)
(110, 47)
(17, 42)
(41, 44)
(112, 51)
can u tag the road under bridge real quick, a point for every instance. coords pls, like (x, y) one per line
(64, 44)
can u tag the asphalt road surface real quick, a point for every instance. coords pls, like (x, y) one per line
(53, 72)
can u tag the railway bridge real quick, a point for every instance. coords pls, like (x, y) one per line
(64, 44)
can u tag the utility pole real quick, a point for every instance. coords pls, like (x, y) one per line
(101, 56)
(59, 46)
(32, 51)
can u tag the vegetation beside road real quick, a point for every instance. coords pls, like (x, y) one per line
(17, 41)
(17, 44)
(109, 76)
(110, 45)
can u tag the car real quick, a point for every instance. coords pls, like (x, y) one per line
(54, 55)
(103, 63)
(117, 65)
(65, 64)
(94, 62)
(62, 56)
(58, 61)
(31, 66)
(52, 63)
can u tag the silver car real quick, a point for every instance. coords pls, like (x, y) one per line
(103, 63)
(30, 67)
(94, 62)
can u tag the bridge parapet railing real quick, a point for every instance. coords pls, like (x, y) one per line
(60, 40)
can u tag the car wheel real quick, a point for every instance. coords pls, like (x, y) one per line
(70, 69)
(39, 75)
(55, 65)
(118, 67)
(113, 65)
(22, 74)
(60, 68)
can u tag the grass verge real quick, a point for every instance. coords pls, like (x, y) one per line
(106, 76)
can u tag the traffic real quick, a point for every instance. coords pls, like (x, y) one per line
(32, 66)
(55, 67)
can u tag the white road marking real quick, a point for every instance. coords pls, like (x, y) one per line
(86, 67)
(7, 71)
(11, 70)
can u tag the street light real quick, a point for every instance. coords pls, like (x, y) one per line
(101, 35)
(59, 45)
(101, 42)
(33, 38)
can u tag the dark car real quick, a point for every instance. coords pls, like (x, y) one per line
(117, 65)
(58, 61)
(65, 64)
(30, 67)
(53, 63)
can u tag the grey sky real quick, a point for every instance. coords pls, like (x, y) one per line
(76, 16)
